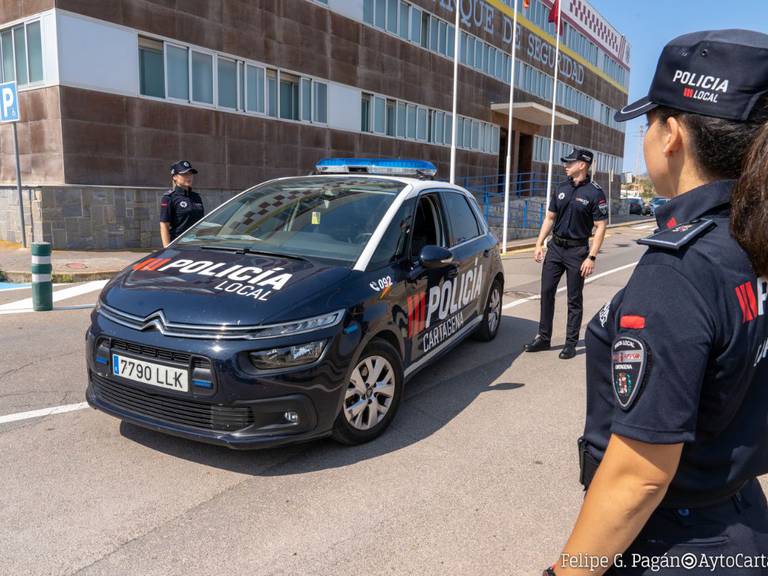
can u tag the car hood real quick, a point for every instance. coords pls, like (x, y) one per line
(212, 287)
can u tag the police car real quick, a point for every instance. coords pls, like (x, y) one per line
(298, 309)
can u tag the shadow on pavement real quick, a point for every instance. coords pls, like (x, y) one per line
(431, 401)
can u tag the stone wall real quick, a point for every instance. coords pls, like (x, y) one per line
(90, 217)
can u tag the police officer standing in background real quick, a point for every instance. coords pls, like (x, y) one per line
(180, 207)
(576, 206)
(676, 428)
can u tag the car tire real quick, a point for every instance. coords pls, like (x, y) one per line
(365, 393)
(489, 326)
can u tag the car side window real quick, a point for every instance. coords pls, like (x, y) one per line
(464, 224)
(394, 243)
(428, 226)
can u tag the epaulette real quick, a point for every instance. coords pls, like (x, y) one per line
(679, 236)
(596, 185)
(168, 192)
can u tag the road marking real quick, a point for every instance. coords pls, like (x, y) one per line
(25, 305)
(55, 309)
(42, 412)
(587, 281)
(644, 227)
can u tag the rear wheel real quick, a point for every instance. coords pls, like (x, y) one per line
(372, 395)
(489, 327)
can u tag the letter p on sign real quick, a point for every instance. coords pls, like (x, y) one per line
(9, 102)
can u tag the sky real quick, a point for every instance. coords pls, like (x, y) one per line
(650, 24)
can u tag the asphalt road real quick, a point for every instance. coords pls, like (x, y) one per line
(477, 475)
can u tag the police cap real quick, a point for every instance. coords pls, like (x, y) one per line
(719, 73)
(578, 154)
(182, 167)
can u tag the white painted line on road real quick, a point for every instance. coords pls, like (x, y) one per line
(25, 305)
(55, 309)
(644, 227)
(42, 412)
(587, 281)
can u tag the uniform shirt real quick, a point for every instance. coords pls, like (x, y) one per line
(679, 355)
(578, 207)
(181, 209)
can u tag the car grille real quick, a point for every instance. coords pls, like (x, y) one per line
(172, 410)
(151, 353)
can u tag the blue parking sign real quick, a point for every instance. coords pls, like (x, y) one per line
(9, 102)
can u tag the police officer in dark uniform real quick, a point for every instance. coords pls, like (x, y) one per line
(677, 363)
(576, 206)
(180, 207)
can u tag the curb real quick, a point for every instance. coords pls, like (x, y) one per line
(532, 243)
(58, 277)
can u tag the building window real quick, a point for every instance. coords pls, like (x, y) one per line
(35, 52)
(306, 99)
(20, 51)
(415, 25)
(448, 129)
(202, 78)
(272, 93)
(365, 113)
(151, 70)
(411, 123)
(254, 89)
(227, 83)
(434, 34)
(368, 11)
(392, 16)
(289, 97)
(391, 118)
(177, 64)
(378, 115)
(405, 18)
(321, 102)
(421, 124)
(380, 14)
(401, 119)
(424, 30)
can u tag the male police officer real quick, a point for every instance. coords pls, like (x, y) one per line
(577, 205)
(180, 207)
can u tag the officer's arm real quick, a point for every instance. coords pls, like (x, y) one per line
(546, 227)
(630, 483)
(165, 233)
(600, 227)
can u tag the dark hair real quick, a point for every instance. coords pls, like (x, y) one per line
(728, 149)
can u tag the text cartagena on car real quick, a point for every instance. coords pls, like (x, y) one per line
(298, 309)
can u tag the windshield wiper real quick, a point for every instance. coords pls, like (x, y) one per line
(237, 250)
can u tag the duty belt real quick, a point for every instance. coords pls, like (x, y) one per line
(588, 465)
(569, 243)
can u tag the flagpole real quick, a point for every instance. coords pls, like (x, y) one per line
(455, 123)
(554, 104)
(509, 133)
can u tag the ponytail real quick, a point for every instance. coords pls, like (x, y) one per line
(749, 211)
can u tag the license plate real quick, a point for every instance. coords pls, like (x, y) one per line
(150, 373)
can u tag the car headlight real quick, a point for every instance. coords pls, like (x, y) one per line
(299, 326)
(287, 356)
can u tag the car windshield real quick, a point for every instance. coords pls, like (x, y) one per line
(321, 217)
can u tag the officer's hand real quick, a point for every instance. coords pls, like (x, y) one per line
(538, 253)
(587, 267)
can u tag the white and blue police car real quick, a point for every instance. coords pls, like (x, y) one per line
(298, 309)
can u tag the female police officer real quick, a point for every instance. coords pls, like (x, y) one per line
(180, 207)
(677, 363)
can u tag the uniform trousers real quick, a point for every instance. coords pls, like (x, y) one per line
(561, 260)
(730, 538)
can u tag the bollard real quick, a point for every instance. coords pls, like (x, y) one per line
(42, 287)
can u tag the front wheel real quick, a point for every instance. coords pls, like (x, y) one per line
(372, 395)
(489, 327)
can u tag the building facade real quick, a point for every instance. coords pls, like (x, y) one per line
(113, 92)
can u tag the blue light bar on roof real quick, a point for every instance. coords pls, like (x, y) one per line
(382, 166)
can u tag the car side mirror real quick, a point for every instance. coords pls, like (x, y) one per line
(432, 256)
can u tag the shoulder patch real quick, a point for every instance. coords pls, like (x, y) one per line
(678, 236)
(596, 185)
(629, 367)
